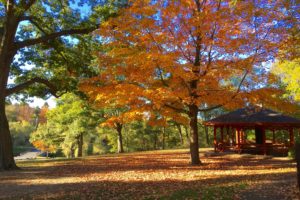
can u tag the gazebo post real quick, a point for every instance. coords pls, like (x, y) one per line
(291, 136)
(232, 136)
(215, 138)
(264, 141)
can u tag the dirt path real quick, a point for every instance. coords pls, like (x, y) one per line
(152, 175)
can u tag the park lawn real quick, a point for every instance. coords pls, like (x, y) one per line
(152, 175)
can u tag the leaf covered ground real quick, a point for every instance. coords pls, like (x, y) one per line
(153, 175)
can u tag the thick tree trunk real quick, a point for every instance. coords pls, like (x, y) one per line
(6, 151)
(120, 139)
(194, 146)
(297, 157)
(7, 53)
(6, 148)
(80, 144)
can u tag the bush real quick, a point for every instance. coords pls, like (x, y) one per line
(292, 151)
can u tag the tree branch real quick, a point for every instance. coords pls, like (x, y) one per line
(45, 38)
(232, 97)
(52, 89)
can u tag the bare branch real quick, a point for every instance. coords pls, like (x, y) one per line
(22, 86)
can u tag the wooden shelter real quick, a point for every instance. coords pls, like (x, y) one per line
(231, 129)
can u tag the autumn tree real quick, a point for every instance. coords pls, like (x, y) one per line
(182, 57)
(42, 44)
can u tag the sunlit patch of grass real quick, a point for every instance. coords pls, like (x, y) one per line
(222, 192)
(182, 195)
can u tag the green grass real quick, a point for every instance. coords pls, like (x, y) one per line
(207, 193)
(182, 194)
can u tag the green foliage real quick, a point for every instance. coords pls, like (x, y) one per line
(289, 72)
(292, 151)
(20, 132)
(65, 124)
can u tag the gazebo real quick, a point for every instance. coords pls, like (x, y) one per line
(230, 131)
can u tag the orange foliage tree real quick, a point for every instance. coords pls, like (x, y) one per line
(43, 146)
(176, 58)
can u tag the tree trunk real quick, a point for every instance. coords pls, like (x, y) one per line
(7, 161)
(7, 53)
(297, 157)
(155, 141)
(120, 138)
(6, 148)
(180, 133)
(72, 151)
(163, 138)
(80, 144)
(194, 146)
(206, 134)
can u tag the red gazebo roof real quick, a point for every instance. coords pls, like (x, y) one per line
(253, 116)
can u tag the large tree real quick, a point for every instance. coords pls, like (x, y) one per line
(33, 32)
(189, 56)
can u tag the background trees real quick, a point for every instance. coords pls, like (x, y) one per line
(41, 48)
(181, 57)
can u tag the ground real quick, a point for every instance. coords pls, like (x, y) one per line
(153, 175)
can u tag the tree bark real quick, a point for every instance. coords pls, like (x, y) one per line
(155, 141)
(120, 138)
(7, 53)
(80, 144)
(163, 138)
(7, 161)
(180, 133)
(194, 145)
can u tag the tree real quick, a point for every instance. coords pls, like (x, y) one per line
(67, 125)
(29, 29)
(182, 57)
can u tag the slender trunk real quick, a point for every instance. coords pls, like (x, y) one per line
(155, 141)
(187, 135)
(180, 133)
(163, 138)
(194, 146)
(80, 144)
(206, 134)
(72, 151)
(120, 138)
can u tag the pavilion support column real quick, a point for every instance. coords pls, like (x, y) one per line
(264, 141)
(292, 141)
(215, 138)
(232, 136)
